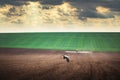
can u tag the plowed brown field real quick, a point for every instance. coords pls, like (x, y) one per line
(26, 64)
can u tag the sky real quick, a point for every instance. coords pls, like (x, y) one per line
(59, 16)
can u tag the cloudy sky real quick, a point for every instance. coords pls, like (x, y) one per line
(59, 15)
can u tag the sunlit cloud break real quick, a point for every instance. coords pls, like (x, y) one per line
(36, 14)
(64, 15)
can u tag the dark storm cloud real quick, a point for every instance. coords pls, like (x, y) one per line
(112, 4)
(89, 8)
(13, 2)
(21, 2)
(52, 2)
(94, 14)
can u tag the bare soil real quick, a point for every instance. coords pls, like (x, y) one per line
(29, 64)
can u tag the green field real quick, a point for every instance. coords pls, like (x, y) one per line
(62, 41)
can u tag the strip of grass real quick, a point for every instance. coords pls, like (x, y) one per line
(62, 41)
